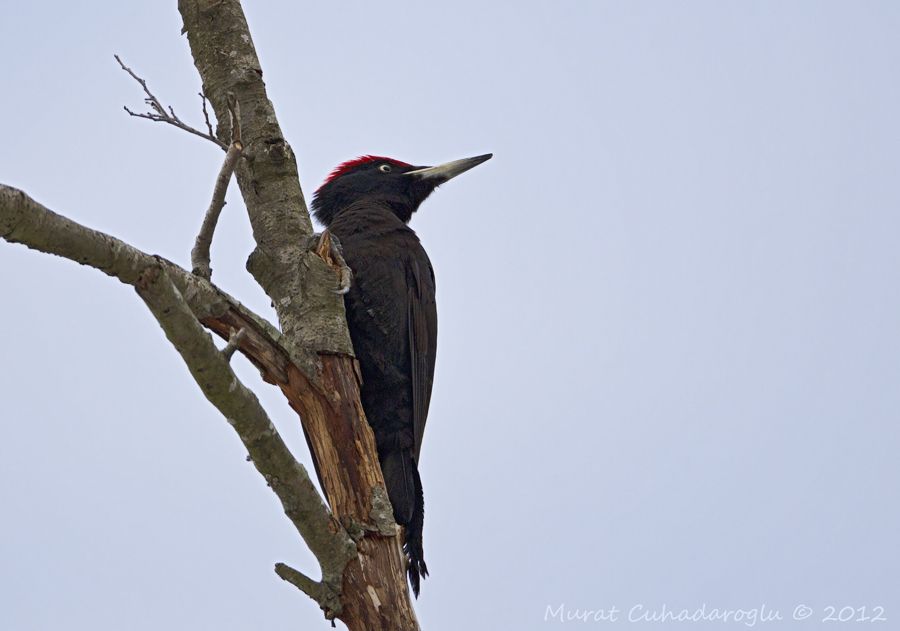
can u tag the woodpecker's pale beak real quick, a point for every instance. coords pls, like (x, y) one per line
(443, 172)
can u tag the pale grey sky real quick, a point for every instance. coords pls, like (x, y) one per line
(669, 308)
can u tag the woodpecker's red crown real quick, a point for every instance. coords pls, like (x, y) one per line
(349, 165)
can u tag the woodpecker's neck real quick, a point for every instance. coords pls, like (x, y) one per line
(327, 205)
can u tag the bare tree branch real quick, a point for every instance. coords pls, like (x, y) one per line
(200, 253)
(25, 221)
(159, 113)
(288, 478)
(177, 299)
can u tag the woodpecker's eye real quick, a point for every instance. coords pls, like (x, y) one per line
(385, 168)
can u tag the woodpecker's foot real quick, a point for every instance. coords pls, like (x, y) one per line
(328, 247)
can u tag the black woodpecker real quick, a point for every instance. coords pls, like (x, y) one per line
(367, 203)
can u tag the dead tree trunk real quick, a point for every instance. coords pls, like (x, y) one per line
(309, 356)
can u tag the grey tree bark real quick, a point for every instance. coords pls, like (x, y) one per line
(308, 356)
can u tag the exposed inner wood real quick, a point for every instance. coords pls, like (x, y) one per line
(343, 446)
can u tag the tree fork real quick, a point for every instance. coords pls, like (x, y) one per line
(324, 388)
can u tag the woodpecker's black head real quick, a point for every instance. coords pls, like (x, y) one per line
(403, 187)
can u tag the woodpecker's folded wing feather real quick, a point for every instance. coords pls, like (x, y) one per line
(422, 327)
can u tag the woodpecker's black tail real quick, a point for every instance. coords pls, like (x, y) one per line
(415, 555)
(401, 475)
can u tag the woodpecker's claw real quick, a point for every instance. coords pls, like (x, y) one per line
(328, 247)
(346, 278)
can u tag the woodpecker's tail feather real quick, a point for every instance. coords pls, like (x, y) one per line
(413, 547)
(401, 475)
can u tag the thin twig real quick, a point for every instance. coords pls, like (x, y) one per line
(233, 343)
(200, 253)
(159, 113)
(298, 579)
(321, 592)
(203, 101)
(234, 114)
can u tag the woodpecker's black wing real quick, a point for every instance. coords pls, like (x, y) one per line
(422, 324)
